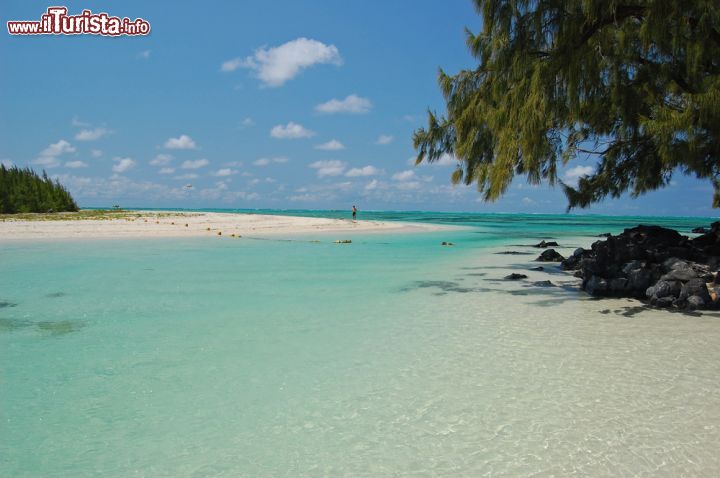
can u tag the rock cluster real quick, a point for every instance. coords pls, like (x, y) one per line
(653, 263)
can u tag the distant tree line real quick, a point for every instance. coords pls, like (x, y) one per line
(23, 190)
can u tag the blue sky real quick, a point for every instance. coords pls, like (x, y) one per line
(257, 104)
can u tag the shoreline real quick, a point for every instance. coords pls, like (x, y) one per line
(174, 224)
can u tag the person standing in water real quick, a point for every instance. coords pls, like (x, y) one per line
(354, 211)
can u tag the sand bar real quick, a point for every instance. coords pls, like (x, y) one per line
(142, 224)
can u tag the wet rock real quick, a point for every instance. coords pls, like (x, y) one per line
(537, 269)
(573, 262)
(596, 286)
(664, 288)
(543, 244)
(550, 255)
(695, 287)
(444, 243)
(514, 253)
(663, 302)
(618, 285)
(679, 270)
(639, 279)
(701, 230)
(695, 302)
(515, 276)
(543, 283)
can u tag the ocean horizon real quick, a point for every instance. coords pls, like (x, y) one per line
(681, 223)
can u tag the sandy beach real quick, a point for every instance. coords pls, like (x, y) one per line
(140, 224)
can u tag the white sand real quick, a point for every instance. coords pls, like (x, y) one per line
(173, 224)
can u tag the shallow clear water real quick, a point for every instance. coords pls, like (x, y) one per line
(389, 356)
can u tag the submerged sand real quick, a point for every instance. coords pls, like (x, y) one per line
(141, 224)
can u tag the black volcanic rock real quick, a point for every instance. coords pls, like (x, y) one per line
(572, 263)
(550, 255)
(515, 276)
(543, 244)
(543, 283)
(652, 263)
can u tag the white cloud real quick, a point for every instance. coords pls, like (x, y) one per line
(6, 162)
(224, 172)
(351, 104)
(444, 160)
(332, 145)
(371, 185)
(572, 175)
(79, 124)
(231, 65)
(404, 175)
(291, 131)
(119, 187)
(195, 164)
(91, 134)
(266, 161)
(527, 201)
(304, 197)
(328, 168)
(182, 142)
(364, 171)
(166, 170)
(76, 164)
(144, 55)
(49, 156)
(247, 122)
(161, 160)
(96, 153)
(56, 149)
(47, 162)
(186, 176)
(235, 195)
(408, 185)
(122, 164)
(276, 65)
(384, 139)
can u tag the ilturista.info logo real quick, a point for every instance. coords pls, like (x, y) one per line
(56, 21)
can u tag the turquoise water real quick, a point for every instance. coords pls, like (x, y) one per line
(499, 222)
(389, 356)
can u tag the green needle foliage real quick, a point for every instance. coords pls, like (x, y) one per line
(634, 85)
(22, 191)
